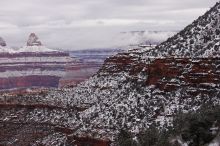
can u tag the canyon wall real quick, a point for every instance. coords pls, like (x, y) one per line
(62, 115)
(27, 69)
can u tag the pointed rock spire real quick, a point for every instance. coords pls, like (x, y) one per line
(33, 40)
(2, 42)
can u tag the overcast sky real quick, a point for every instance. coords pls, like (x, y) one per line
(77, 24)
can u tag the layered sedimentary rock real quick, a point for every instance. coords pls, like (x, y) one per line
(33, 65)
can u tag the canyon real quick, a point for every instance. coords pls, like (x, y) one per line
(133, 90)
(95, 120)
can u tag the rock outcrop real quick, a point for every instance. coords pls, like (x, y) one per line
(2, 42)
(33, 40)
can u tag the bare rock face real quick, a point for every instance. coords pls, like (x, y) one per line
(33, 40)
(2, 42)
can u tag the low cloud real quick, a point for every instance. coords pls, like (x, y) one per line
(74, 24)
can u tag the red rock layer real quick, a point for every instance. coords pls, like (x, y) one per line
(167, 73)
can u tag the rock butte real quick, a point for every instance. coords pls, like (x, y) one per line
(33, 65)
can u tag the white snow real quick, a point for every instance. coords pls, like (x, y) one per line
(7, 50)
(47, 59)
(35, 49)
(32, 72)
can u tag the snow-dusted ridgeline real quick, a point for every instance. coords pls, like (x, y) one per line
(199, 39)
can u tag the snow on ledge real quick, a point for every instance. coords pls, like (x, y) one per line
(6, 50)
(35, 49)
(27, 49)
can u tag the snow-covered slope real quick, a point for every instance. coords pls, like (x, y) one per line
(35, 49)
(199, 39)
